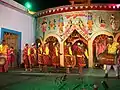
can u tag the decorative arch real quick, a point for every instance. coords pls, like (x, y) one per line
(117, 36)
(53, 35)
(90, 45)
(99, 33)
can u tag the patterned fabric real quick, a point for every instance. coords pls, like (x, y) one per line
(80, 57)
(11, 55)
(112, 48)
(32, 55)
(68, 56)
(55, 57)
(25, 56)
(46, 58)
(40, 55)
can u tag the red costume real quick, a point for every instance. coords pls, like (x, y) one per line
(32, 55)
(25, 57)
(40, 56)
(55, 57)
(11, 55)
(46, 58)
(68, 61)
(80, 57)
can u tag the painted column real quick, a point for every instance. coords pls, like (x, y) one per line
(62, 54)
(90, 51)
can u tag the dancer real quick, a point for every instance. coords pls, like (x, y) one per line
(3, 52)
(32, 56)
(112, 49)
(40, 56)
(26, 57)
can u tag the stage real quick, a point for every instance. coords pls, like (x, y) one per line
(18, 79)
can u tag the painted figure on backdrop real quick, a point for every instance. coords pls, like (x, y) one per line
(56, 56)
(52, 24)
(80, 57)
(44, 26)
(112, 47)
(101, 46)
(82, 26)
(102, 22)
(3, 55)
(90, 22)
(40, 56)
(114, 23)
(26, 57)
(68, 54)
(32, 55)
(11, 56)
(60, 24)
(46, 56)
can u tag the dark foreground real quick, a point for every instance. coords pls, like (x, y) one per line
(19, 80)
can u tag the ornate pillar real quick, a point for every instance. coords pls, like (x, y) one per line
(90, 51)
(62, 54)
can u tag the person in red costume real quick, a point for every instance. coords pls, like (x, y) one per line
(68, 56)
(11, 56)
(32, 56)
(40, 56)
(80, 57)
(46, 56)
(56, 56)
(26, 57)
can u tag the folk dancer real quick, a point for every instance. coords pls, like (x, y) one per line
(56, 56)
(40, 56)
(32, 56)
(46, 57)
(3, 51)
(80, 57)
(68, 56)
(26, 57)
(11, 56)
(111, 49)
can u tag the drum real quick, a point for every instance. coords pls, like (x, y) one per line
(108, 59)
(2, 60)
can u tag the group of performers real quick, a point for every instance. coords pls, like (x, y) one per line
(74, 54)
(45, 57)
(7, 56)
(41, 56)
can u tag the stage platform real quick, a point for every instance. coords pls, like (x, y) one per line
(61, 71)
(18, 79)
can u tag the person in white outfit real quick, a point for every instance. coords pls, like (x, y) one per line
(112, 49)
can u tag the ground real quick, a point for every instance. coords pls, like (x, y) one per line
(18, 79)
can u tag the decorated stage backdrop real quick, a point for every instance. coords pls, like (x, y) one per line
(89, 23)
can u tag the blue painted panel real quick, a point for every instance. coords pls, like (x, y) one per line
(3, 30)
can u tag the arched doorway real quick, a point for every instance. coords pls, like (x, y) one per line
(53, 41)
(99, 46)
(117, 37)
(74, 39)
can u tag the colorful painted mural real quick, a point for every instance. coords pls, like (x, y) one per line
(89, 24)
(86, 22)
